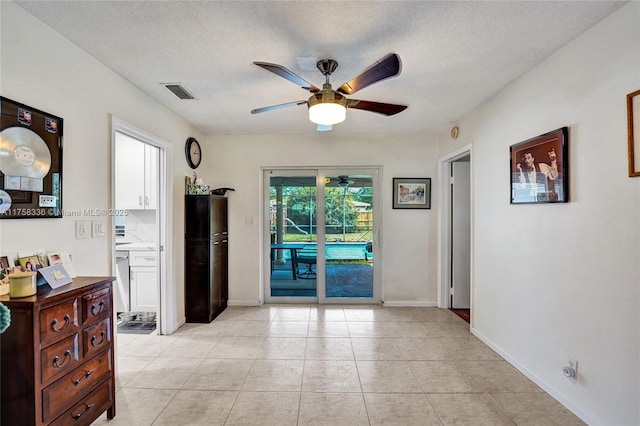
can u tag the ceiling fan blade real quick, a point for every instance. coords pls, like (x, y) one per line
(381, 108)
(289, 75)
(274, 107)
(324, 128)
(389, 66)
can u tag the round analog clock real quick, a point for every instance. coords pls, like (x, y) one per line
(193, 153)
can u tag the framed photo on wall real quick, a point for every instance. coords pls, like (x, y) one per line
(30, 162)
(539, 169)
(633, 126)
(411, 193)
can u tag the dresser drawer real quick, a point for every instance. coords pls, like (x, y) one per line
(96, 337)
(142, 258)
(96, 305)
(58, 322)
(55, 398)
(88, 409)
(59, 358)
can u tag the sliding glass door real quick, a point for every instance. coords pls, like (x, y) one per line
(348, 224)
(320, 235)
(293, 234)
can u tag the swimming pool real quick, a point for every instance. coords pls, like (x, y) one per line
(342, 251)
(347, 251)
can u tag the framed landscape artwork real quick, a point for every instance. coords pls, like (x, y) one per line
(411, 193)
(539, 169)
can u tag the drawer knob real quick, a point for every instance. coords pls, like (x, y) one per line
(99, 309)
(77, 416)
(94, 337)
(55, 322)
(67, 357)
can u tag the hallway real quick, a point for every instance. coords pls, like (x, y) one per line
(324, 364)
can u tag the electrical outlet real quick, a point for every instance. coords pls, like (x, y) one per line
(570, 370)
(81, 229)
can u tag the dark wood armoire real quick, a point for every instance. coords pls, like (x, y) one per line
(206, 257)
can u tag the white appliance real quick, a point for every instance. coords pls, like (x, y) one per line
(122, 296)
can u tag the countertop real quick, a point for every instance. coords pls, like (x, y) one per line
(135, 246)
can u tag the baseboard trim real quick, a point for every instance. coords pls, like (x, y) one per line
(409, 304)
(244, 302)
(585, 417)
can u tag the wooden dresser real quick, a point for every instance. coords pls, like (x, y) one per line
(57, 356)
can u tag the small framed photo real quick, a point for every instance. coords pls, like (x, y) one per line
(540, 169)
(411, 193)
(6, 262)
(55, 275)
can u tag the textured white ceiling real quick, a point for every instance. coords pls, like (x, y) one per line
(455, 55)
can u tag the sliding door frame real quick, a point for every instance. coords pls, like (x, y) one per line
(320, 173)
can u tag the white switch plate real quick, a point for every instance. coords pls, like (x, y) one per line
(81, 229)
(97, 229)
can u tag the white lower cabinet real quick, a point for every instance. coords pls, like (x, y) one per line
(144, 281)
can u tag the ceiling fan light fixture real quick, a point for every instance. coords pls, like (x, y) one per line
(327, 108)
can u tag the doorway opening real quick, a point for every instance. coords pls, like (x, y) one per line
(320, 244)
(139, 226)
(455, 235)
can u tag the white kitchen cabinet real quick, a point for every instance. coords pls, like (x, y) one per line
(150, 177)
(143, 280)
(136, 171)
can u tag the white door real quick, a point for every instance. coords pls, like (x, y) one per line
(461, 235)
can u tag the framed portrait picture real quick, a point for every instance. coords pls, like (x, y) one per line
(540, 169)
(411, 193)
(5, 262)
(633, 127)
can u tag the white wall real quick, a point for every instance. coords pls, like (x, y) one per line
(43, 70)
(408, 236)
(553, 281)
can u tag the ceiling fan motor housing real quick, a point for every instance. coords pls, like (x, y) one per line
(326, 96)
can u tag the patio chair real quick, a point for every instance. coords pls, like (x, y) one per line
(307, 256)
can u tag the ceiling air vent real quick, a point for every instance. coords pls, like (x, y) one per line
(179, 91)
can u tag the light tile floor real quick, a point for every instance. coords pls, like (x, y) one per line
(324, 365)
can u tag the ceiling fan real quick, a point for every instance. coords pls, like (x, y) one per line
(344, 181)
(327, 106)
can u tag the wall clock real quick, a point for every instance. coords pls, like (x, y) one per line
(193, 153)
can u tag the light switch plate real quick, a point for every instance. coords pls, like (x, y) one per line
(82, 229)
(97, 229)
